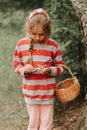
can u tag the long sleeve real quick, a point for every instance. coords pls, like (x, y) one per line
(57, 67)
(17, 63)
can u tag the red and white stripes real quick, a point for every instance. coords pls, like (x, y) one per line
(38, 88)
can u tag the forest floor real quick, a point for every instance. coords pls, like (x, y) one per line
(73, 116)
(13, 115)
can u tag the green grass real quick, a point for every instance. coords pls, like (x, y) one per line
(11, 30)
(10, 83)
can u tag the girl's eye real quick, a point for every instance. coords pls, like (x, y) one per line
(41, 34)
(34, 33)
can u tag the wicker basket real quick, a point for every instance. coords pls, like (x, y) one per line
(68, 89)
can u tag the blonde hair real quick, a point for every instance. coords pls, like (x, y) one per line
(37, 16)
(42, 20)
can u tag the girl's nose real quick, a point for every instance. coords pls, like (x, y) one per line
(37, 37)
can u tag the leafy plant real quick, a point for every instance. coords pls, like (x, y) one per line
(67, 31)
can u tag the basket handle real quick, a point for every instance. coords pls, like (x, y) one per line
(67, 69)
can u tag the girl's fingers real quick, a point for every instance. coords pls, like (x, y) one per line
(28, 68)
(44, 70)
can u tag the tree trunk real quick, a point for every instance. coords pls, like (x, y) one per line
(80, 7)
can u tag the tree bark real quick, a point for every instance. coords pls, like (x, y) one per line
(80, 7)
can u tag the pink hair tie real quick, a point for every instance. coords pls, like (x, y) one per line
(38, 11)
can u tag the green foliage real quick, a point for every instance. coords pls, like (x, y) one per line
(67, 31)
(10, 83)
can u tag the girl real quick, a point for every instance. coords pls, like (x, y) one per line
(37, 59)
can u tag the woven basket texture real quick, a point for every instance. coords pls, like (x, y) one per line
(68, 89)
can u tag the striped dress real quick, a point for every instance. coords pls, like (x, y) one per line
(38, 88)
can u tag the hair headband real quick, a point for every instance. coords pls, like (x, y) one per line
(35, 12)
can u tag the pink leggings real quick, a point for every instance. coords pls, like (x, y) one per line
(41, 117)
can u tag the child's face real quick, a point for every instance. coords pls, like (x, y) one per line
(37, 34)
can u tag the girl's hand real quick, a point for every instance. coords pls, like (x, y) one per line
(28, 69)
(45, 70)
